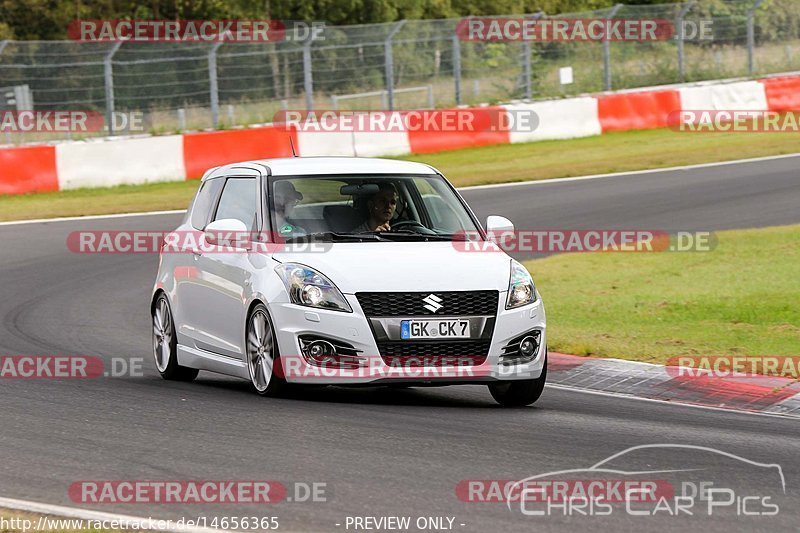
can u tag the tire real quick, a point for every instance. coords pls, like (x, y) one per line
(519, 393)
(261, 351)
(165, 344)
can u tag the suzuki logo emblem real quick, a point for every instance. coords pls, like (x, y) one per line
(432, 303)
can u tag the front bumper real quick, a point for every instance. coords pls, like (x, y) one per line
(291, 321)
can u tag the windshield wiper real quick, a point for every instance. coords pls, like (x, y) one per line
(333, 236)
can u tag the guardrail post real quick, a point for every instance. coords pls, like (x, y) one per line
(308, 80)
(108, 78)
(213, 84)
(751, 36)
(527, 70)
(457, 68)
(389, 63)
(679, 22)
(607, 50)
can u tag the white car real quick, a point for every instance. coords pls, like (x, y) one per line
(344, 271)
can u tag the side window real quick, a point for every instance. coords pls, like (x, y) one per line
(443, 217)
(238, 201)
(204, 203)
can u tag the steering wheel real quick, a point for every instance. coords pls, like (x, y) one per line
(407, 225)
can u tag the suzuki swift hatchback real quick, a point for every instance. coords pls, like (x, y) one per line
(345, 271)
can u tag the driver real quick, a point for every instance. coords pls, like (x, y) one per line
(381, 207)
(285, 197)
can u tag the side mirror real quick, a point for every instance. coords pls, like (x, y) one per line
(228, 232)
(498, 224)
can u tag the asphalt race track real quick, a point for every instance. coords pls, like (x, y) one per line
(379, 451)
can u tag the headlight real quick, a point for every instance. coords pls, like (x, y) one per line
(308, 287)
(521, 290)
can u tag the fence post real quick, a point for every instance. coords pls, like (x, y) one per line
(457, 68)
(527, 71)
(679, 22)
(751, 35)
(389, 63)
(607, 50)
(213, 84)
(108, 77)
(3, 45)
(308, 81)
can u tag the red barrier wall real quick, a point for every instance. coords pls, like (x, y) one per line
(202, 151)
(637, 111)
(488, 129)
(28, 169)
(783, 94)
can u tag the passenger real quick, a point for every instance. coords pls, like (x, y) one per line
(285, 198)
(381, 207)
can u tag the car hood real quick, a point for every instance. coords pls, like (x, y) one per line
(406, 266)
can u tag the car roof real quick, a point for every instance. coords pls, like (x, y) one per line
(301, 166)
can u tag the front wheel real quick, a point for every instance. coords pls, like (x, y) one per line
(262, 354)
(165, 344)
(519, 393)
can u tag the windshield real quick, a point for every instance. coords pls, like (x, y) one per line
(368, 208)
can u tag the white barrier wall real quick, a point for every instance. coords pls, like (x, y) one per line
(154, 159)
(355, 143)
(559, 119)
(127, 161)
(744, 95)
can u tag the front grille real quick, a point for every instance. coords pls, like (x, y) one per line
(416, 354)
(457, 303)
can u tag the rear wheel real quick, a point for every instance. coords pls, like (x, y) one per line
(262, 353)
(165, 344)
(519, 393)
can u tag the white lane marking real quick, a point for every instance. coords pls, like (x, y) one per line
(677, 403)
(470, 188)
(86, 514)
(629, 172)
(92, 217)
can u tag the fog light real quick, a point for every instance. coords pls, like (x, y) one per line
(527, 346)
(321, 351)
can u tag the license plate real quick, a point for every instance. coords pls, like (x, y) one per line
(434, 329)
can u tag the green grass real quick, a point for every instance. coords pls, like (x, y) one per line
(613, 152)
(739, 299)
